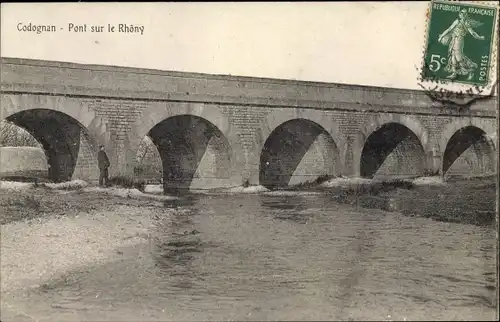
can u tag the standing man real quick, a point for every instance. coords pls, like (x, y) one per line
(103, 160)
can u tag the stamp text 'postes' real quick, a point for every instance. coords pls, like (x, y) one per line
(459, 43)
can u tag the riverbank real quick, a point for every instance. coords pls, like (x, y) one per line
(468, 201)
(26, 201)
(53, 244)
(50, 230)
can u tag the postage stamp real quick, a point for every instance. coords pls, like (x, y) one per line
(460, 47)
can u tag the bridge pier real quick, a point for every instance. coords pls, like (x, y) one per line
(434, 162)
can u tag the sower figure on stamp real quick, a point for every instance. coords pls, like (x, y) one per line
(454, 37)
(103, 160)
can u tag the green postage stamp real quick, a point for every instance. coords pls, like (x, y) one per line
(461, 38)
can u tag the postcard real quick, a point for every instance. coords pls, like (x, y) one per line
(267, 161)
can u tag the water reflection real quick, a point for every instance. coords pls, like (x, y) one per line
(292, 208)
(186, 200)
(286, 258)
(177, 240)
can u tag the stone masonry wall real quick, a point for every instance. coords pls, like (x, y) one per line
(114, 102)
(247, 121)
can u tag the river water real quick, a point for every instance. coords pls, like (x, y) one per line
(282, 257)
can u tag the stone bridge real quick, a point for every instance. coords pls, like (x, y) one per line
(217, 131)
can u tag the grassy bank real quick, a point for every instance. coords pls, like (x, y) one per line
(469, 201)
(41, 201)
(127, 182)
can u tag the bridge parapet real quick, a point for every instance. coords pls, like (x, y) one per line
(60, 78)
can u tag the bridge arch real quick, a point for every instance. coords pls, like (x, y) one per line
(195, 142)
(297, 146)
(61, 126)
(390, 145)
(468, 147)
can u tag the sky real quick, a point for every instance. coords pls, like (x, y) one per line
(366, 43)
